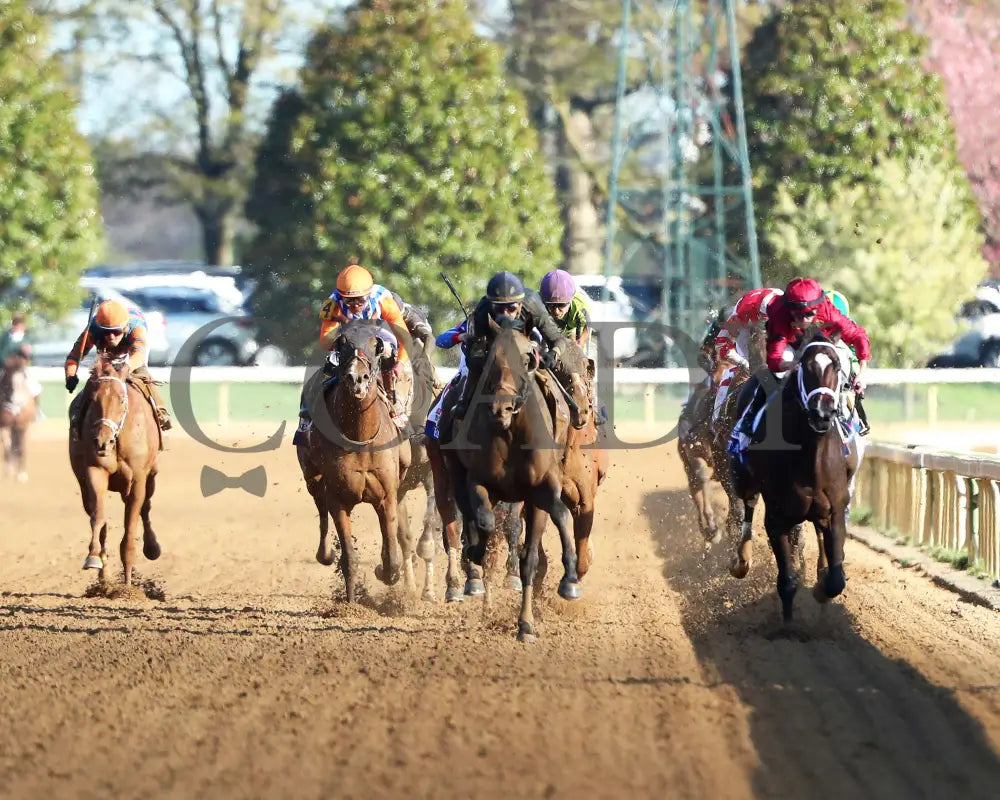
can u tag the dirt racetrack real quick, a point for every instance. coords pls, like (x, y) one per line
(236, 675)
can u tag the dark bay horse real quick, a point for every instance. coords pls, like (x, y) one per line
(806, 477)
(694, 445)
(511, 448)
(116, 448)
(364, 459)
(18, 410)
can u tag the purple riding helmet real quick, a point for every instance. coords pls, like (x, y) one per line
(558, 286)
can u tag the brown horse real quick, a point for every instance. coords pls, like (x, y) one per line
(511, 448)
(360, 458)
(808, 478)
(116, 448)
(419, 473)
(694, 444)
(18, 410)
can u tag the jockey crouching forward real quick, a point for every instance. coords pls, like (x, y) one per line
(803, 306)
(569, 309)
(507, 297)
(118, 332)
(732, 344)
(357, 296)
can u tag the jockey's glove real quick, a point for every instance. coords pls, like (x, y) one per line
(72, 381)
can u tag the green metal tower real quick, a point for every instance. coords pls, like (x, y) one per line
(680, 202)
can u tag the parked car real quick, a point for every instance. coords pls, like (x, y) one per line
(51, 342)
(186, 310)
(979, 345)
(616, 308)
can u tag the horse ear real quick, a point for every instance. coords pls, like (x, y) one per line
(591, 369)
(494, 325)
(378, 344)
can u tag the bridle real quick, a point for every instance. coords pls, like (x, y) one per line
(116, 427)
(806, 396)
(357, 355)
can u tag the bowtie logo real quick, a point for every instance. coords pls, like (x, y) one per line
(253, 481)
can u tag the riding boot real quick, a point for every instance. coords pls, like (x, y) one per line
(162, 415)
(862, 417)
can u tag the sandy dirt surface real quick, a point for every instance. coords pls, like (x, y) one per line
(237, 674)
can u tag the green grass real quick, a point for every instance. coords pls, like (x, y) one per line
(885, 404)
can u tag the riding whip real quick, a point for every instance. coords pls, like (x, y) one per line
(451, 286)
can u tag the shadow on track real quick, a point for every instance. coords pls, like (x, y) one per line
(829, 715)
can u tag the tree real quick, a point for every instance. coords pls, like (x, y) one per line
(905, 250)
(404, 150)
(51, 228)
(834, 89)
(193, 78)
(964, 43)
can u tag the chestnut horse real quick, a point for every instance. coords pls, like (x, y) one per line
(17, 411)
(808, 477)
(361, 458)
(116, 448)
(511, 448)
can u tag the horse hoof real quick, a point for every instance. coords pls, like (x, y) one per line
(454, 595)
(568, 590)
(475, 587)
(325, 558)
(739, 569)
(525, 633)
(151, 550)
(819, 593)
(514, 583)
(388, 577)
(93, 562)
(427, 596)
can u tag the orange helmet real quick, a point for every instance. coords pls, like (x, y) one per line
(111, 316)
(355, 281)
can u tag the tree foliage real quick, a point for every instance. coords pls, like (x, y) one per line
(904, 249)
(964, 47)
(404, 149)
(50, 226)
(193, 81)
(833, 88)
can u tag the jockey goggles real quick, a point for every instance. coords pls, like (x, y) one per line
(507, 308)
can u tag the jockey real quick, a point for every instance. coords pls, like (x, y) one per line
(12, 338)
(505, 297)
(804, 305)
(446, 341)
(567, 306)
(120, 332)
(732, 345)
(17, 361)
(357, 296)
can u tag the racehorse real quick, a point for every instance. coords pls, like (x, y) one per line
(364, 459)
(808, 478)
(694, 445)
(17, 411)
(511, 448)
(419, 472)
(115, 448)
